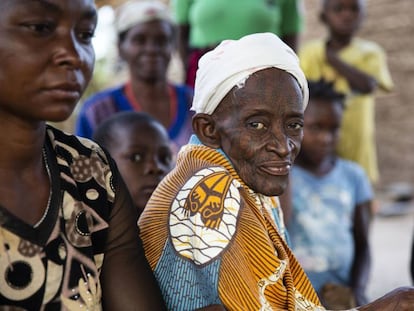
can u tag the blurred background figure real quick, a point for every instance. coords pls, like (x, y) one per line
(392, 227)
(141, 149)
(412, 261)
(358, 68)
(205, 23)
(331, 198)
(146, 40)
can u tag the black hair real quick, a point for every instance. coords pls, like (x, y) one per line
(324, 90)
(103, 133)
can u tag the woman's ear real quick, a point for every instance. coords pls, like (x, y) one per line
(322, 17)
(204, 127)
(120, 50)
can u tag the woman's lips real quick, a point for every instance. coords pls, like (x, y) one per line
(276, 169)
(65, 91)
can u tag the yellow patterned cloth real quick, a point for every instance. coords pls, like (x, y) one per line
(56, 263)
(357, 139)
(212, 240)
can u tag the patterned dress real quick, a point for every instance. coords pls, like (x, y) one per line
(212, 240)
(322, 222)
(56, 263)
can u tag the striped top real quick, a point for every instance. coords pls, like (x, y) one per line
(212, 240)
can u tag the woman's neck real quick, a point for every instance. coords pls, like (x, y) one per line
(23, 169)
(147, 93)
(154, 99)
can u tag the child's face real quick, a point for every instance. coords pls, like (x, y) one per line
(46, 56)
(143, 154)
(343, 17)
(321, 130)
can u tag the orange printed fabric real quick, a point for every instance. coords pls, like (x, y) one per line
(210, 240)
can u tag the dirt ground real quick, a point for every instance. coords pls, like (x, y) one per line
(391, 236)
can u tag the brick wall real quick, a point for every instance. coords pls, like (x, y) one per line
(390, 24)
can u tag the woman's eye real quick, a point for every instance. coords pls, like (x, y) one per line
(257, 125)
(86, 36)
(136, 157)
(40, 28)
(296, 126)
(139, 39)
(162, 41)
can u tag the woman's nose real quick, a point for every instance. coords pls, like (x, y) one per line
(70, 52)
(280, 144)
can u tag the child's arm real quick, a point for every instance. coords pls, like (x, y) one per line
(359, 81)
(362, 259)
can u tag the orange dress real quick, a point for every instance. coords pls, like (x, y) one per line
(211, 240)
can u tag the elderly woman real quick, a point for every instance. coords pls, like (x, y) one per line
(146, 40)
(212, 231)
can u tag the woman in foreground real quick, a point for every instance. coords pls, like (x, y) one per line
(68, 235)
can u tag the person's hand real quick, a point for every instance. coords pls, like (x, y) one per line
(358, 80)
(337, 297)
(360, 297)
(331, 54)
(401, 299)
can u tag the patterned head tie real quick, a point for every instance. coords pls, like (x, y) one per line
(233, 61)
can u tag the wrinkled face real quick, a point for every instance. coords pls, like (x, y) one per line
(343, 16)
(260, 127)
(321, 130)
(46, 56)
(147, 49)
(143, 154)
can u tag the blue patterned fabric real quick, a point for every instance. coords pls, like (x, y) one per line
(322, 220)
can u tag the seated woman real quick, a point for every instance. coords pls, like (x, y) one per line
(68, 234)
(146, 41)
(211, 231)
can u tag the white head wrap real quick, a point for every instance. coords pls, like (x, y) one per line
(233, 61)
(136, 12)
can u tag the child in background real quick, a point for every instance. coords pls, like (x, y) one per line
(141, 149)
(331, 200)
(357, 68)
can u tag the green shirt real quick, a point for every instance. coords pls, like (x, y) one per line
(212, 21)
